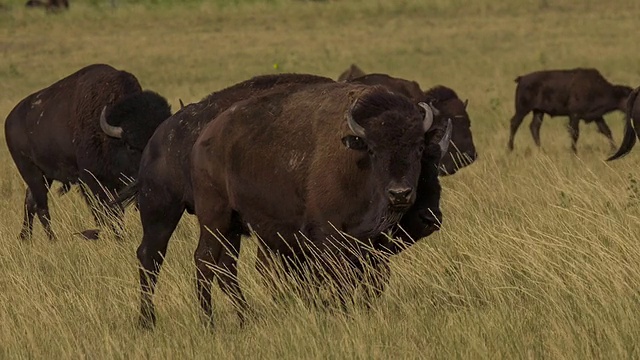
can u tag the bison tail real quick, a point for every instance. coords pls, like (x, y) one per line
(127, 196)
(631, 126)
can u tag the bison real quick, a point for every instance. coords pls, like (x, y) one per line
(50, 5)
(315, 162)
(462, 151)
(579, 93)
(164, 190)
(90, 128)
(632, 124)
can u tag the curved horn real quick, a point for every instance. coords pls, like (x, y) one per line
(428, 116)
(446, 139)
(113, 131)
(181, 104)
(353, 125)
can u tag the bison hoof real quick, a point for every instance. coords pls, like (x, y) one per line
(90, 234)
(147, 322)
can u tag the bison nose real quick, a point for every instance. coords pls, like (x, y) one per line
(400, 195)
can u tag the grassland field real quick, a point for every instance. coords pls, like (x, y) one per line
(539, 253)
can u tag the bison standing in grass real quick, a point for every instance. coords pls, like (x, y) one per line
(301, 167)
(165, 187)
(577, 93)
(89, 128)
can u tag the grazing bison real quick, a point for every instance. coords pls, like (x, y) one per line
(164, 191)
(462, 151)
(577, 93)
(631, 126)
(318, 161)
(89, 127)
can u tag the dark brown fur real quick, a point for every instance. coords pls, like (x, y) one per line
(50, 5)
(163, 188)
(164, 191)
(311, 181)
(577, 93)
(54, 134)
(631, 126)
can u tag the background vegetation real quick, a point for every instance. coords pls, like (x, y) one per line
(538, 256)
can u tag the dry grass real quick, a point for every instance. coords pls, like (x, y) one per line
(539, 253)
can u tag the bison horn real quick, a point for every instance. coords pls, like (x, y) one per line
(428, 115)
(446, 139)
(181, 104)
(353, 125)
(113, 131)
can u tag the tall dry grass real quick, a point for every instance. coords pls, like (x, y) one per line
(538, 255)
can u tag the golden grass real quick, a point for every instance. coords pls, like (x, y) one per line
(538, 256)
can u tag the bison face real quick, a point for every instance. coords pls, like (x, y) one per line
(394, 142)
(134, 119)
(462, 151)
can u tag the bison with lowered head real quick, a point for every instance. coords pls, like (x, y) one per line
(325, 159)
(577, 93)
(462, 150)
(89, 127)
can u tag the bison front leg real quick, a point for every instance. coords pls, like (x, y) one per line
(574, 131)
(535, 125)
(604, 129)
(217, 256)
(516, 120)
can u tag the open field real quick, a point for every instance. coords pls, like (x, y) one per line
(539, 254)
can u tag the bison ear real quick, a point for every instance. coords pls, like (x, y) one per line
(354, 142)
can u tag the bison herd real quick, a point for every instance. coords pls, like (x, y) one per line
(337, 176)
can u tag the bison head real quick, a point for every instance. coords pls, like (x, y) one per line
(135, 118)
(389, 131)
(462, 150)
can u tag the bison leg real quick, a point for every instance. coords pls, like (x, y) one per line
(516, 120)
(103, 214)
(535, 125)
(574, 131)
(217, 256)
(158, 223)
(35, 199)
(603, 128)
(30, 209)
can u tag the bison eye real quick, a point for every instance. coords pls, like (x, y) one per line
(354, 143)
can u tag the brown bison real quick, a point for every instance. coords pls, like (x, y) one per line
(50, 5)
(315, 162)
(462, 150)
(164, 191)
(631, 126)
(577, 93)
(89, 127)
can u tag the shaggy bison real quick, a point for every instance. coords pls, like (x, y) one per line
(632, 124)
(164, 187)
(316, 162)
(89, 127)
(577, 93)
(462, 150)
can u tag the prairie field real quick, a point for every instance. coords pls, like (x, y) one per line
(539, 253)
